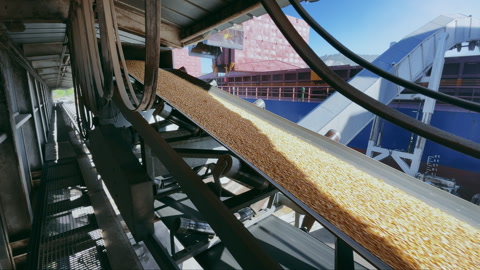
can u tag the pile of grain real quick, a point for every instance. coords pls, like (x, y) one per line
(401, 230)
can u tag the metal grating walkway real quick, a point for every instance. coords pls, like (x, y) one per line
(65, 231)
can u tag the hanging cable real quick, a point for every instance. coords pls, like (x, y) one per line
(318, 66)
(113, 57)
(84, 54)
(105, 55)
(466, 104)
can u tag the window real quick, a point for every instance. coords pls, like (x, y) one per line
(290, 76)
(471, 68)
(277, 77)
(343, 73)
(354, 72)
(451, 69)
(448, 90)
(304, 76)
(465, 92)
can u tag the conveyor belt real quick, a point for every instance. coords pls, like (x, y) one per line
(379, 214)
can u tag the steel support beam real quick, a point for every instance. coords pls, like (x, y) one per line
(49, 62)
(234, 235)
(200, 153)
(16, 53)
(29, 129)
(343, 256)
(116, 241)
(196, 32)
(41, 112)
(127, 181)
(35, 11)
(3, 137)
(6, 256)
(62, 64)
(46, 108)
(427, 109)
(13, 194)
(36, 121)
(133, 21)
(160, 253)
(41, 49)
(21, 119)
(429, 103)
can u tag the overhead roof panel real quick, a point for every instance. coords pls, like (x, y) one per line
(43, 44)
(184, 22)
(193, 19)
(32, 50)
(51, 26)
(195, 10)
(39, 33)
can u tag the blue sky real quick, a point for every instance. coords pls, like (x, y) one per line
(368, 26)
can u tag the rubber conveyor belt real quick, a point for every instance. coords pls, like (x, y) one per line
(393, 216)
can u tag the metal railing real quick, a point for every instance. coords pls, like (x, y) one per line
(284, 93)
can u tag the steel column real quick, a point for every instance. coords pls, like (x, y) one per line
(119, 249)
(128, 183)
(6, 257)
(429, 103)
(343, 256)
(43, 117)
(36, 120)
(29, 130)
(13, 194)
(160, 253)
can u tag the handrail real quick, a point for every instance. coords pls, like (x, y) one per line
(290, 93)
(72, 116)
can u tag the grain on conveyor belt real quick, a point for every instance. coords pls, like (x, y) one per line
(401, 230)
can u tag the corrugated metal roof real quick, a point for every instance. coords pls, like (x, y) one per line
(182, 13)
(45, 47)
(44, 44)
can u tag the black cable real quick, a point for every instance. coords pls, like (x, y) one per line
(316, 64)
(469, 105)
